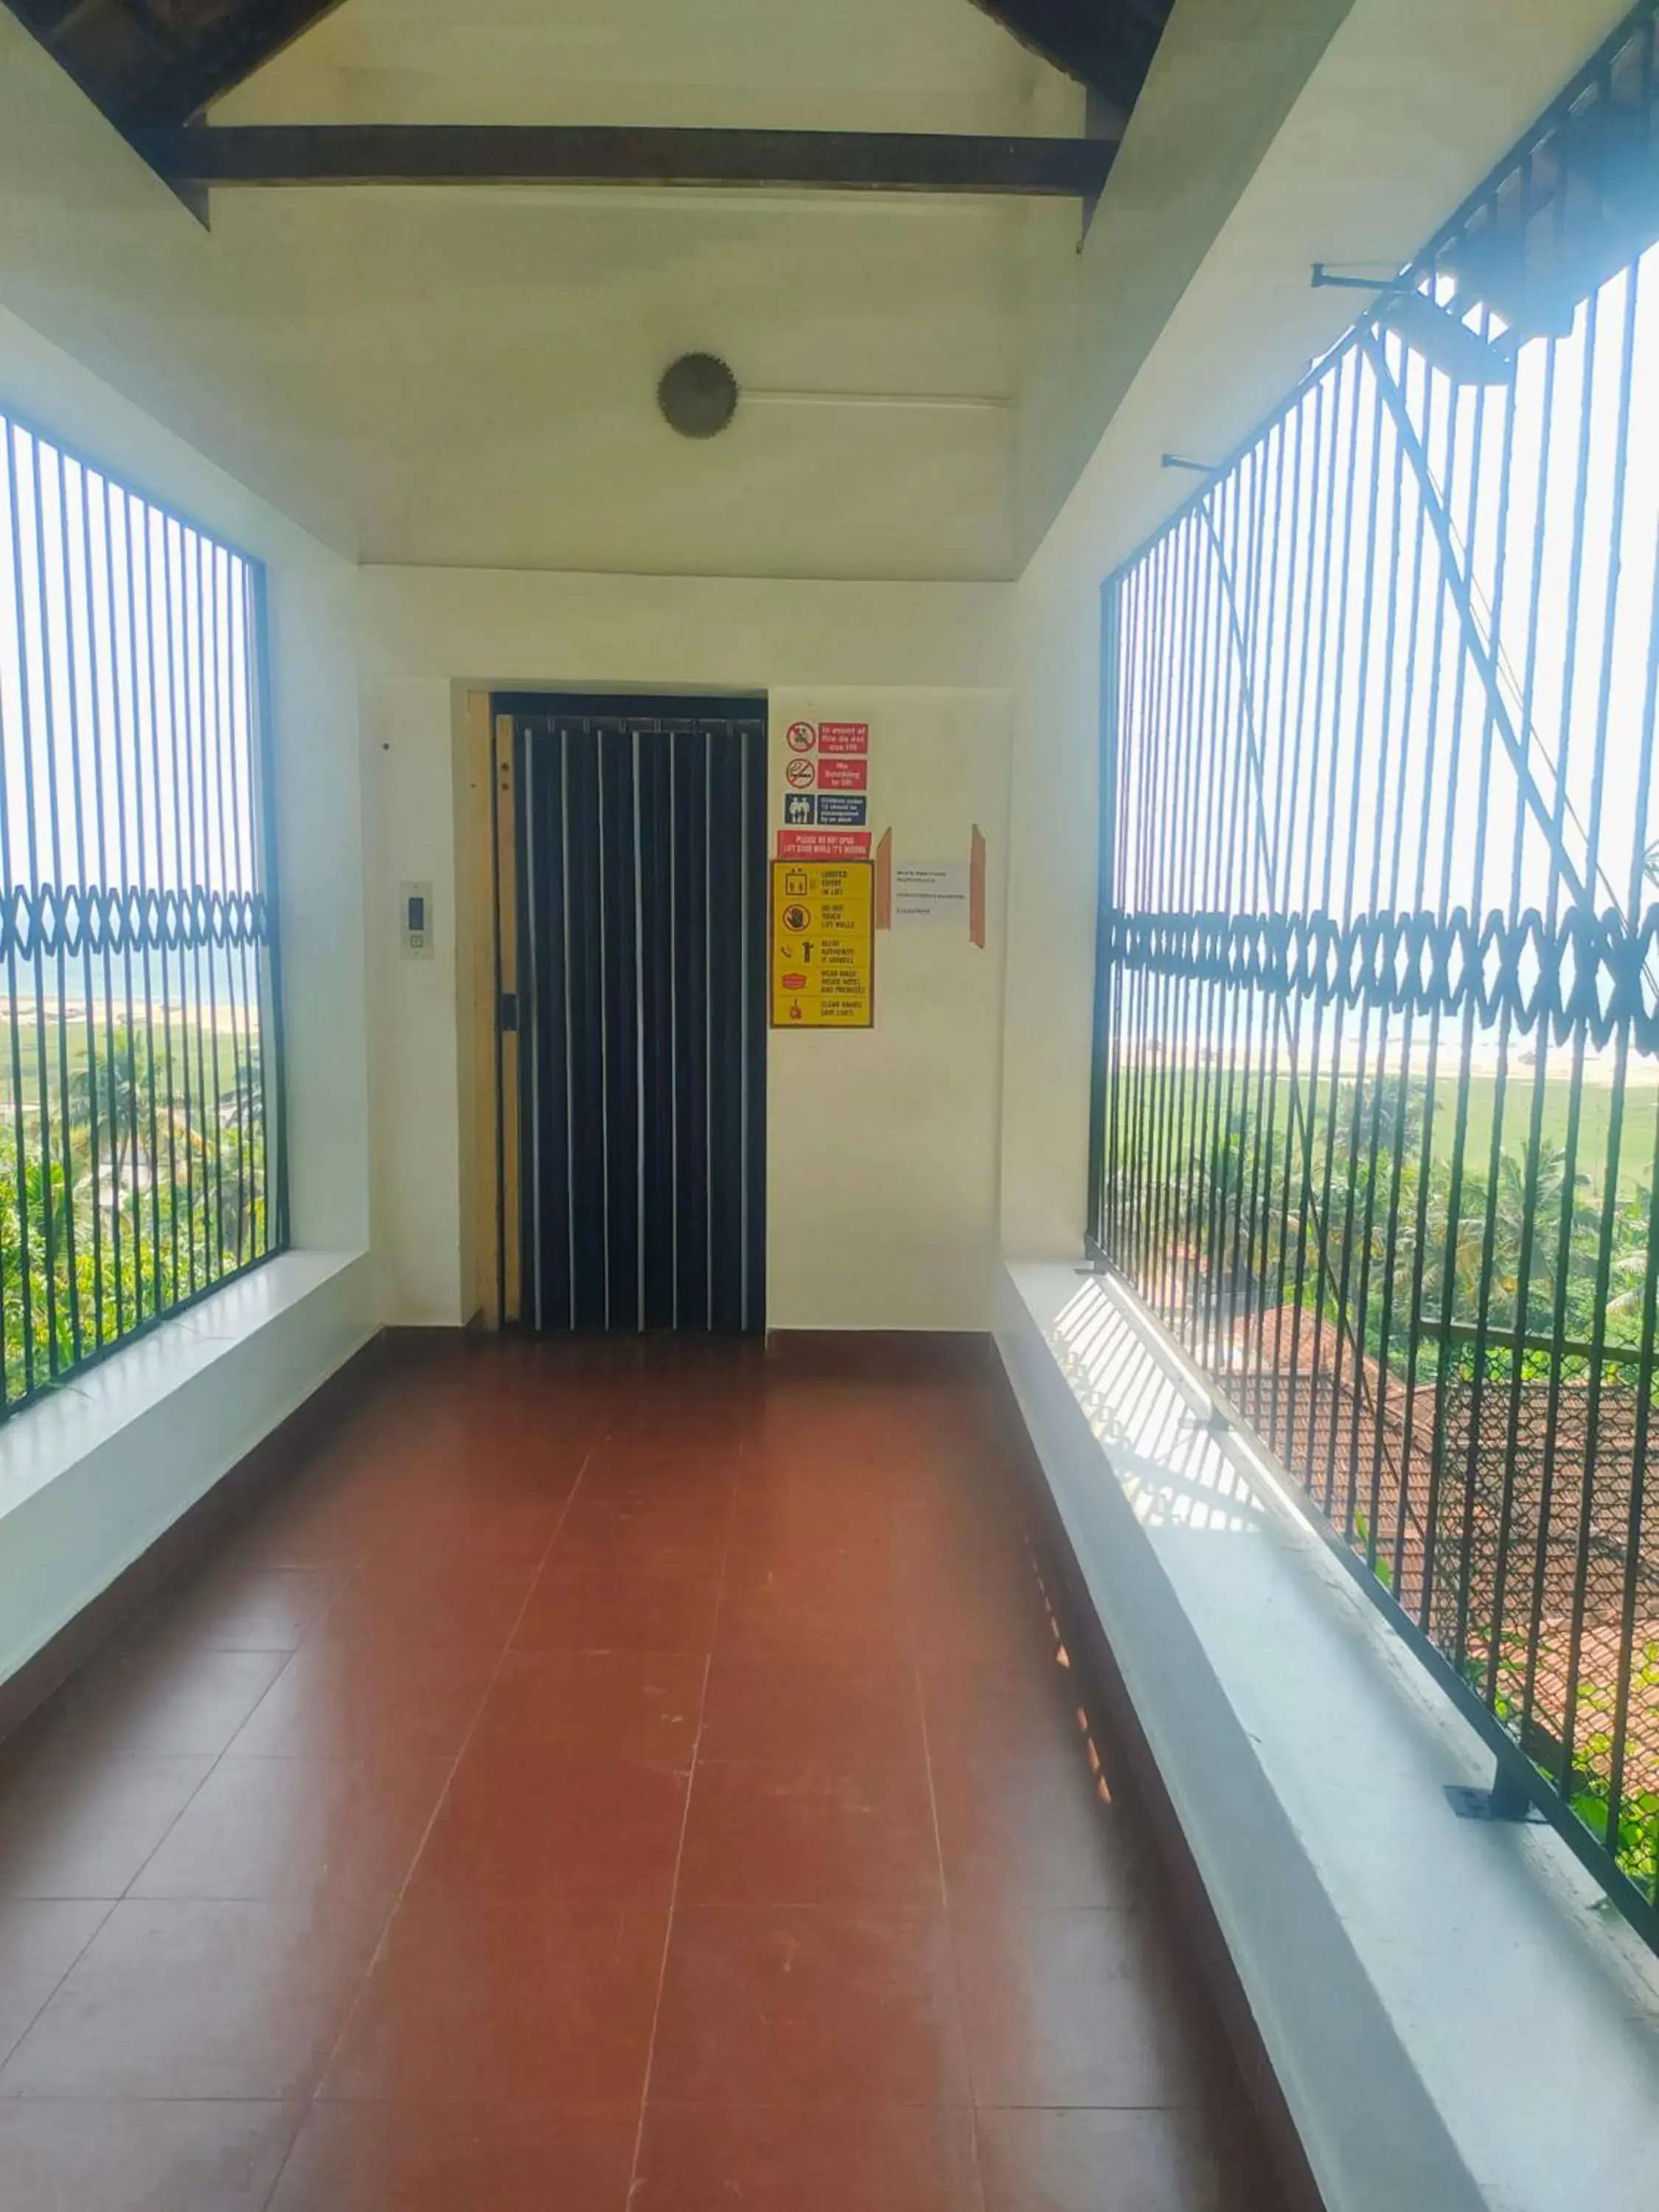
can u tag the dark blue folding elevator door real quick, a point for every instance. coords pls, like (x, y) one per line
(640, 830)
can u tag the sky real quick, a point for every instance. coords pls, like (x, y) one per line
(125, 697)
(1322, 705)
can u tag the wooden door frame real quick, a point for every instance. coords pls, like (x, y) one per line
(485, 904)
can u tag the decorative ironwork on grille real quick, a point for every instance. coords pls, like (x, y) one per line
(140, 1138)
(1375, 1126)
(1586, 972)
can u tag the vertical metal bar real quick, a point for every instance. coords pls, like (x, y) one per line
(48, 1203)
(105, 742)
(273, 1052)
(1106, 755)
(18, 738)
(79, 645)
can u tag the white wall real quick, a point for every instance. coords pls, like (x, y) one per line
(882, 1144)
(1411, 104)
(1220, 85)
(905, 1236)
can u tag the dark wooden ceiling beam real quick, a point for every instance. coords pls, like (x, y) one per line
(248, 36)
(529, 153)
(1106, 45)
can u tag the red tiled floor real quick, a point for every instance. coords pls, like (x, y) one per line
(446, 2157)
(41, 1939)
(610, 1775)
(156, 1697)
(664, 1605)
(793, 2158)
(246, 1608)
(505, 2004)
(820, 1831)
(194, 1999)
(76, 1824)
(298, 1827)
(153, 2155)
(1071, 2008)
(353, 1698)
(1035, 1833)
(516, 1825)
(1078, 2161)
(597, 1705)
(794, 1707)
(796, 2005)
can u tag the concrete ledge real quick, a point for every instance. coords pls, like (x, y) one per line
(94, 1476)
(1456, 2021)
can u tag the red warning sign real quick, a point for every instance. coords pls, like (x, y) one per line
(843, 736)
(843, 774)
(823, 844)
(801, 736)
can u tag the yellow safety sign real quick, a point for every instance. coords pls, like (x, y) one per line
(822, 945)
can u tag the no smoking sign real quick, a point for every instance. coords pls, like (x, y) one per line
(799, 774)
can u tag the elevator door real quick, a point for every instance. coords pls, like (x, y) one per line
(639, 865)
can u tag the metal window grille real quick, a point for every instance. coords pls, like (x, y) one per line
(140, 1163)
(1375, 1124)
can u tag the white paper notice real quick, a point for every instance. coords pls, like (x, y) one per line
(930, 894)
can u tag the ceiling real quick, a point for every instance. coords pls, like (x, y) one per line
(467, 377)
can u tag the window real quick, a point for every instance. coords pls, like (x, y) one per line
(139, 1135)
(1376, 1113)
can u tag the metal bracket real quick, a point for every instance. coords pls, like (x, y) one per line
(1507, 1799)
(1323, 281)
(1180, 461)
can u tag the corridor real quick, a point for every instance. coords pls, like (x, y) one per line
(602, 1775)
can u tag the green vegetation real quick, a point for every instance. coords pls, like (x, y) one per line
(132, 1173)
(1356, 1206)
(1310, 1182)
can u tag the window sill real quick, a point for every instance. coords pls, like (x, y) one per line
(93, 1475)
(1454, 2018)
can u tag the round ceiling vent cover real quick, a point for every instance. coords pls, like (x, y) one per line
(698, 395)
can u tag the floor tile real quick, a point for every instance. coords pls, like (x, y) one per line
(983, 1706)
(620, 1530)
(81, 1823)
(448, 2157)
(82, 2154)
(505, 2004)
(803, 2005)
(194, 2000)
(153, 1696)
(1072, 2008)
(974, 1590)
(789, 1597)
(41, 1939)
(1035, 1832)
(762, 1706)
(597, 1704)
(431, 1602)
(237, 1608)
(296, 1827)
(1062, 2161)
(778, 2157)
(352, 1697)
(452, 1535)
(515, 1825)
(662, 1606)
(812, 1833)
